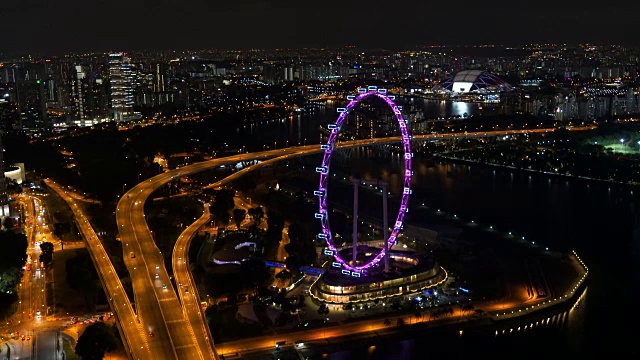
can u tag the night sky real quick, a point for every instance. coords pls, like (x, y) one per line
(57, 26)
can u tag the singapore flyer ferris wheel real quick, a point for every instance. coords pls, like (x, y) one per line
(354, 269)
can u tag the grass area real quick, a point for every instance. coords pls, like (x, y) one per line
(102, 219)
(70, 354)
(67, 300)
(194, 250)
(233, 329)
(58, 208)
(60, 213)
(621, 148)
(168, 218)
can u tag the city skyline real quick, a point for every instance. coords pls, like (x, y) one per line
(74, 26)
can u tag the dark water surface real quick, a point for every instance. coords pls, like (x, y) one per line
(596, 220)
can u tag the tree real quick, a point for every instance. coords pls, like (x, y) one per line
(246, 183)
(417, 315)
(301, 250)
(46, 255)
(254, 273)
(95, 341)
(8, 223)
(14, 249)
(12, 186)
(222, 205)
(297, 233)
(275, 225)
(466, 307)
(323, 309)
(12, 258)
(81, 275)
(222, 215)
(238, 216)
(61, 230)
(257, 213)
(300, 201)
(284, 275)
(387, 322)
(292, 262)
(224, 197)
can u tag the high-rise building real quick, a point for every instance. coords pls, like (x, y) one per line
(4, 198)
(159, 78)
(288, 73)
(9, 115)
(121, 86)
(33, 106)
(78, 93)
(97, 99)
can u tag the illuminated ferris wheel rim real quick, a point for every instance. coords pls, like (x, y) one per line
(322, 192)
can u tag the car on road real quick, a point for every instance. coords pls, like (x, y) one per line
(164, 286)
(157, 276)
(132, 255)
(157, 267)
(186, 290)
(150, 333)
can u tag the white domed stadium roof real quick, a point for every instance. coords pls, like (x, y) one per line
(467, 81)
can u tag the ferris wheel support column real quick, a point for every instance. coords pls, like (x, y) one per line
(385, 224)
(356, 184)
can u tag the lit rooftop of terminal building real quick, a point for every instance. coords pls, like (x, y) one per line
(473, 81)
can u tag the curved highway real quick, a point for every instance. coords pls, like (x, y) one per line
(170, 336)
(157, 306)
(186, 286)
(133, 335)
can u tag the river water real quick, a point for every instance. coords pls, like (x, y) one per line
(598, 220)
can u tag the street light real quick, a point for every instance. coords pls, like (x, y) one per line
(123, 185)
(139, 177)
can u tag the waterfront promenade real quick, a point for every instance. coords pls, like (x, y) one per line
(492, 310)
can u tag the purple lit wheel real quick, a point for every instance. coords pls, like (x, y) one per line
(322, 192)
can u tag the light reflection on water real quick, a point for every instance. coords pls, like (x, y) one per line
(532, 334)
(300, 126)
